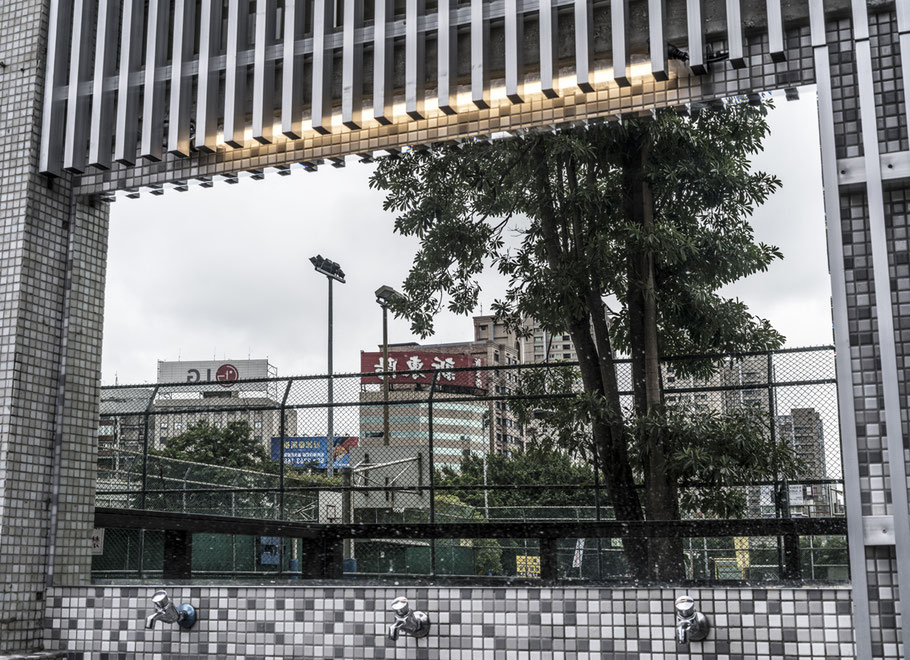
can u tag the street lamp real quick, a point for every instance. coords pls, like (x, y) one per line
(332, 271)
(384, 295)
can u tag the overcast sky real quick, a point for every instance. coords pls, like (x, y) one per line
(225, 273)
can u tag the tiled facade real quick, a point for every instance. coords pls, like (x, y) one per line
(52, 253)
(499, 623)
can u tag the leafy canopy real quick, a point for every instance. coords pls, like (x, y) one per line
(480, 204)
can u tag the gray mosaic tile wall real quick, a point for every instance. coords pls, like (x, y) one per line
(51, 299)
(856, 218)
(501, 623)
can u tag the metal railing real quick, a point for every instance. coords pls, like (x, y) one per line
(256, 450)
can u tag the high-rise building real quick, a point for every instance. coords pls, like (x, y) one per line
(479, 425)
(191, 392)
(804, 431)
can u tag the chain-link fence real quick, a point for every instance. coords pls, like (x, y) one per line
(453, 438)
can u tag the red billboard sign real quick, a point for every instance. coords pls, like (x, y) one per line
(403, 364)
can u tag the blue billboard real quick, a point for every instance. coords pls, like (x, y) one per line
(313, 451)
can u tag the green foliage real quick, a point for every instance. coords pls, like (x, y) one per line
(480, 204)
(535, 467)
(208, 458)
(709, 453)
(230, 446)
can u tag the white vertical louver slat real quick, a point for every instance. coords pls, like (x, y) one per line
(584, 26)
(352, 66)
(694, 12)
(619, 22)
(292, 69)
(126, 133)
(657, 39)
(447, 57)
(775, 31)
(549, 48)
(178, 123)
(235, 73)
(264, 73)
(383, 61)
(75, 145)
(207, 85)
(414, 67)
(480, 56)
(101, 132)
(323, 66)
(50, 153)
(152, 143)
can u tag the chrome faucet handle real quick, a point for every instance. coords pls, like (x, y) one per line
(691, 625)
(685, 606)
(400, 607)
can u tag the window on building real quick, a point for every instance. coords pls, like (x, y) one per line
(178, 426)
(164, 426)
(565, 337)
(482, 328)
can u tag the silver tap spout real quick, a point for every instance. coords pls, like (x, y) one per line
(682, 632)
(415, 624)
(393, 630)
(151, 619)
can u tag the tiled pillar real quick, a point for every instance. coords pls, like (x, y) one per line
(863, 125)
(52, 256)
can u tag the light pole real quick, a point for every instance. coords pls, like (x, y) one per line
(384, 295)
(332, 271)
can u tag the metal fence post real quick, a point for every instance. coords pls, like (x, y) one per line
(432, 465)
(777, 495)
(145, 473)
(281, 433)
(597, 508)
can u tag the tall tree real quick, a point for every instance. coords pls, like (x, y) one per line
(649, 211)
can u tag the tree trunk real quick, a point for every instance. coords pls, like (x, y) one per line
(609, 434)
(661, 494)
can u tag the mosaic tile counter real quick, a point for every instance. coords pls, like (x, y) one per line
(533, 623)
